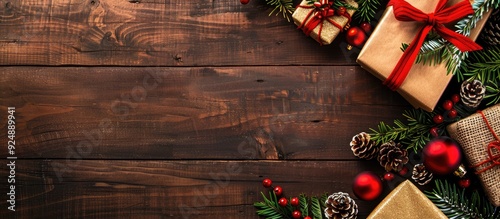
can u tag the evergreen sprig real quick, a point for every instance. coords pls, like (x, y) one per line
(483, 66)
(312, 206)
(284, 7)
(270, 209)
(436, 50)
(367, 10)
(454, 202)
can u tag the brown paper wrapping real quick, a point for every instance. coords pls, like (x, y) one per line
(408, 202)
(425, 84)
(474, 136)
(329, 31)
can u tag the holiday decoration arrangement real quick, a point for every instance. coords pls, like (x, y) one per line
(417, 48)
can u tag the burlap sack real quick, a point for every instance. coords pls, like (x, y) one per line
(473, 135)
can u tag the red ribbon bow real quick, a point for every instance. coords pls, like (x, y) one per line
(493, 145)
(322, 10)
(403, 11)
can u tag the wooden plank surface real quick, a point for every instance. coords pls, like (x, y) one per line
(155, 33)
(173, 189)
(193, 113)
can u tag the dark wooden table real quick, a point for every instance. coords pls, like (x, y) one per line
(176, 109)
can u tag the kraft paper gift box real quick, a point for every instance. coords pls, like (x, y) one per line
(406, 201)
(424, 84)
(328, 31)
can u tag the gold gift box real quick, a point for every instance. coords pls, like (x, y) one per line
(329, 31)
(425, 84)
(474, 136)
(406, 201)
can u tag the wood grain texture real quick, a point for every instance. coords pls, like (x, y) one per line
(193, 113)
(173, 189)
(156, 33)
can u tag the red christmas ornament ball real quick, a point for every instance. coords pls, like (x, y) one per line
(464, 183)
(367, 186)
(356, 37)
(267, 182)
(296, 214)
(244, 1)
(278, 190)
(367, 27)
(438, 119)
(294, 201)
(441, 156)
(283, 202)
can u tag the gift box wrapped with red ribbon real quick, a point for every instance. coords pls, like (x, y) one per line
(409, 22)
(323, 20)
(479, 137)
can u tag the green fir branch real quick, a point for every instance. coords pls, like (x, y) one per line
(454, 203)
(493, 93)
(304, 204)
(367, 10)
(270, 209)
(284, 7)
(316, 208)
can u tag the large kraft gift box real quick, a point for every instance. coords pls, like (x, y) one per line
(326, 33)
(424, 84)
(408, 202)
(474, 136)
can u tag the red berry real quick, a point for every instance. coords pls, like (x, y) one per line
(296, 214)
(267, 182)
(367, 27)
(447, 105)
(464, 183)
(307, 217)
(388, 176)
(283, 202)
(403, 171)
(244, 1)
(278, 190)
(438, 119)
(434, 131)
(455, 98)
(294, 201)
(452, 113)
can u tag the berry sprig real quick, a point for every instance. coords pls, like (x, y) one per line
(448, 115)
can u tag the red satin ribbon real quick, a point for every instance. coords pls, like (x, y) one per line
(320, 13)
(403, 11)
(493, 145)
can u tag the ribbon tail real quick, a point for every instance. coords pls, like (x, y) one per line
(460, 41)
(399, 73)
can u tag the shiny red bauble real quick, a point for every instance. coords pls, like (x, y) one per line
(441, 156)
(296, 214)
(244, 1)
(283, 202)
(367, 186)
(355, 36)
(267, 182)
(294, 201)
(278, 190)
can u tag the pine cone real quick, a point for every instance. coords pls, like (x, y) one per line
(363, 147)
(421, 175)
(340, 206)
(491, 30)
(472, 93)
(392, 157)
